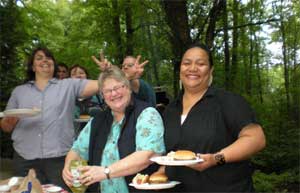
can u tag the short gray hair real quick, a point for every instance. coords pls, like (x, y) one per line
(115, 73)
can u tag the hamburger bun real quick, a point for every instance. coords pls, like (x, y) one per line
(84, 117)
(158, 178)
(140, 179)
(184, 155)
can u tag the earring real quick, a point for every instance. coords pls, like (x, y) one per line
(210, 80)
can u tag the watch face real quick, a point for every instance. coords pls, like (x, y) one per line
(220, 159)
(106, 170)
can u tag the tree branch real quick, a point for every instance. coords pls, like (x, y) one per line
(248, 24)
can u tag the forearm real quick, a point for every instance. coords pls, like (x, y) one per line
(91, 88)
(250, 141)
(131, 164)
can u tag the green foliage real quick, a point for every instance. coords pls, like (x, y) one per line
(75, 30)
(283, 182)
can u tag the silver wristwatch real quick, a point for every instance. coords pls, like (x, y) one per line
(107, 172)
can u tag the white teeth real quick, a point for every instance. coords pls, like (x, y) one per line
(192, 76)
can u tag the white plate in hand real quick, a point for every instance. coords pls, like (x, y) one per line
(21, 113)
(147, 186)
(82, 120)
(169, 161)
(53, 189)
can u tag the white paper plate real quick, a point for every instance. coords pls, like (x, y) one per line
(168, 161)
(4, 188)
(21, 112)
(82, 120)
(148, 186)
(53, 189)
(1, 114)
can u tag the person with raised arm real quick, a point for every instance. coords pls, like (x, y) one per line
(42, 141)
(133, 69)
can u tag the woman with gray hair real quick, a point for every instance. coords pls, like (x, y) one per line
(119, 141)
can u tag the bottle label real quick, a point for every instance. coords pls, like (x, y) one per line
(75, 173)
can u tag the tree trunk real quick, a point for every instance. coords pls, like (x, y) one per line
(285, 61)
(129, 29)
(258, 73)
(250, 66)
(213, 17)
(235, 39)
(154, 58)
(296, 78)
(177, 19)
(117, 32)
(226, 47)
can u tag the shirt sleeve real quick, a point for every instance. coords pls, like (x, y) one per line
(81, 145)
(150, 131)
(238, 113)
(78, 85)
(12, 102)
(146, 93)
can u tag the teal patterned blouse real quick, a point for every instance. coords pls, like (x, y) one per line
(149, 136)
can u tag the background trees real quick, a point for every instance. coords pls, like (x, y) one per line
(255, 48)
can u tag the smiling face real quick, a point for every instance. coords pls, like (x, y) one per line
(116, 94)
(43, 66)
(78, 73)
(195, 70)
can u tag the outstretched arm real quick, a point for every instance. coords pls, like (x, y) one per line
(131, 164)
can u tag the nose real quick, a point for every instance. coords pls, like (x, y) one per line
(46, 59)
(113, 92)
(193, 67)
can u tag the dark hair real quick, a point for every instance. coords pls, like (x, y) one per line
(30, 73)
(203, 47)
(61, 64)
(81, 67)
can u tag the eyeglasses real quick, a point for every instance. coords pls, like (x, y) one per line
(129, 65)
(117, 89)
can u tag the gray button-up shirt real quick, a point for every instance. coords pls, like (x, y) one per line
(51, 133)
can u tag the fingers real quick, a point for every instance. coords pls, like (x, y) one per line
(12, 120)
(103, 64)
(143, 64)
(95, 60)
(137, 60)
(67, 177)
(88, 177)
(102, 58)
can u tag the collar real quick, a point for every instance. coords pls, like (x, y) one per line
(51, 81)
(210, 92)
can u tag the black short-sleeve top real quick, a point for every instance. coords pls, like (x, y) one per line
(213, 123)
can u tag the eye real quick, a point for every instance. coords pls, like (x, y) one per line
(185, 62)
